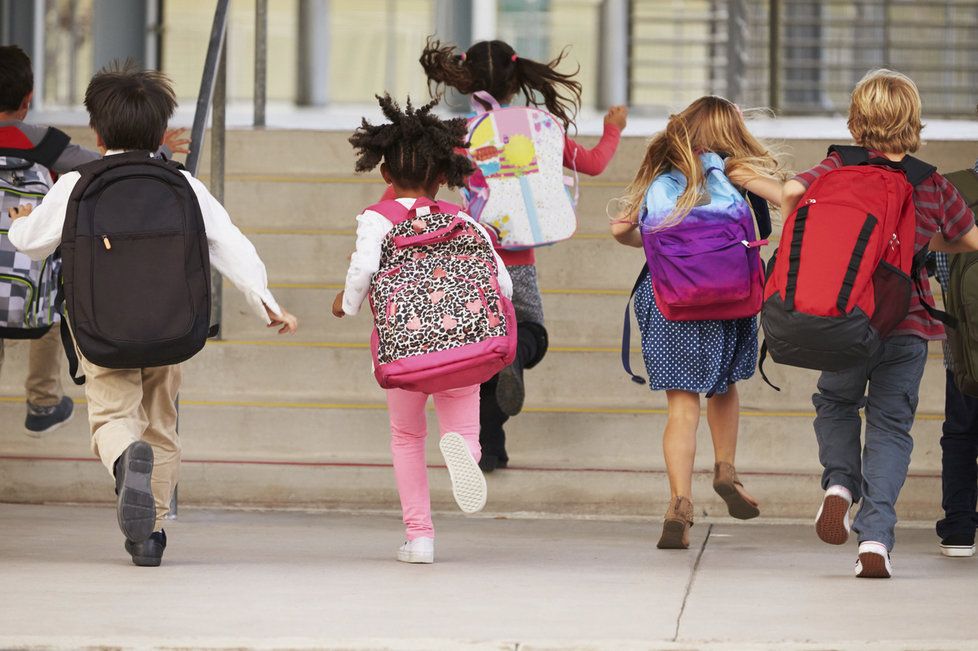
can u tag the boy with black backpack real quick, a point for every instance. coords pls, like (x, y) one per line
(31, 157)
(885, 122)
(138, 236)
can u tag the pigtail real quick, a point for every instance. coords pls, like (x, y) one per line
(544, 85)
(444, 65)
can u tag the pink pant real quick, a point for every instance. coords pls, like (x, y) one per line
(458, 411)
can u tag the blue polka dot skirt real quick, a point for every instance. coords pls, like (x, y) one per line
(695, 356)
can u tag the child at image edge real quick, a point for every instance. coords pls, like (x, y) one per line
(132, 412)
(885, 119)
(417, 155)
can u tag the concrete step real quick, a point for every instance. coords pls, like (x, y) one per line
(579, 492)
(574, 317)
(583, 262)
(283, 370)
(226, 431)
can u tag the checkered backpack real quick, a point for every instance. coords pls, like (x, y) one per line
(28, 289)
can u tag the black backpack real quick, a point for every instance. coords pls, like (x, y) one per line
(136, 268)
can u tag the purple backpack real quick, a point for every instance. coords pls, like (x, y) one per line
(708, 266)
(440, 319)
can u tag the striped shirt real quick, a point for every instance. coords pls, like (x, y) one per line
(940, 208)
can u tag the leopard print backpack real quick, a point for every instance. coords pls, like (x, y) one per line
(440, 320)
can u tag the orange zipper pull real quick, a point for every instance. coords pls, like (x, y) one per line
(106, 242)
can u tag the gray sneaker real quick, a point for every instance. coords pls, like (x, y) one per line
(41, 420)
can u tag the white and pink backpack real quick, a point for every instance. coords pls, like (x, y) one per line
(440, 319)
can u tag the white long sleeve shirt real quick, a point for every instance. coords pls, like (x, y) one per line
(372, 228)
(231, 253)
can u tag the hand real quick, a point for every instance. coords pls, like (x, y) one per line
(338, 306)
(287, 321)
(618, 116)
(176, 142)
(20, 211)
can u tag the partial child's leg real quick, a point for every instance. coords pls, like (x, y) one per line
(959, 470)
(492, 436)
(890, 410)
(458, 411)
(723, 415)
(47, 406)
(679, 447)
(117, 423)
(161, 385)
(409, 430)
(679, 440)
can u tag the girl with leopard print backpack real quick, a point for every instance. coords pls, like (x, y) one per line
(441, 300)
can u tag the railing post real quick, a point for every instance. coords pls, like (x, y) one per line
(214, 49)
(261, 60)
(736, 49)
(774, 55)
(613, 58)
(218, 146)
(313, 44)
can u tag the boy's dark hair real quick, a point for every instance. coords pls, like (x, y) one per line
(494, 66)
(418, 147)
(129, 107)
(16, 77)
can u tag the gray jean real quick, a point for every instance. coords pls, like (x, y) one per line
(876, 472)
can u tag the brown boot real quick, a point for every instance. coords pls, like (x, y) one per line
(675, 529)
(740, 504)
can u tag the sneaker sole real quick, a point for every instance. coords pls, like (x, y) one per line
(831, 523)
(672, 535)
(415, 558)
(510, 391)
(873, 566)
(468, 482)
(146, 561)
(957, 551)
(136, 508)
(38, 433)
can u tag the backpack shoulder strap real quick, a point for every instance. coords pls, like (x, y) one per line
(46, 152)
(850, 154)
(917, 171)
(626, 331)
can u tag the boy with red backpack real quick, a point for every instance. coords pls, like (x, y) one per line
(883, 294)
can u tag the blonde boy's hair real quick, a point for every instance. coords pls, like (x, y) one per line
(885, 112)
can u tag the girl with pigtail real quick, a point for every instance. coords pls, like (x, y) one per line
(689, 358)
(494, 67)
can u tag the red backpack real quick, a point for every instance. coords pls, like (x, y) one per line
(842, 276)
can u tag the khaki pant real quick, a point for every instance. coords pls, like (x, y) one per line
(128, 405)
(43, 382)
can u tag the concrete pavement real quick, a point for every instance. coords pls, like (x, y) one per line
(292, 579)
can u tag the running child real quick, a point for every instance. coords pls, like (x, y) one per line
(417, 154)
(494, 67)
(687, 358)
(885, 120)
(132, 411)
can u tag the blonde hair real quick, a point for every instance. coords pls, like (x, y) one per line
(884, 113)
(708, 124)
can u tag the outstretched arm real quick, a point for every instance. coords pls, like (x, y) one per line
(594, 161)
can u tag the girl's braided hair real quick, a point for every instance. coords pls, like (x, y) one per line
(494, 66)
(418, 147)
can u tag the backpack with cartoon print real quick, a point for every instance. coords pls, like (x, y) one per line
(440, 319)
(519, 188)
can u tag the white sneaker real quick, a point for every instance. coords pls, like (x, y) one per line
(468, 482)
(419, 550)
(874, 561)
(957, 547)
(832, 522)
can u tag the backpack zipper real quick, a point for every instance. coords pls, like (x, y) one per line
(29, 317)
(106, 243)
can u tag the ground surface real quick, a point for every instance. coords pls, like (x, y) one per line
(237, 579)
